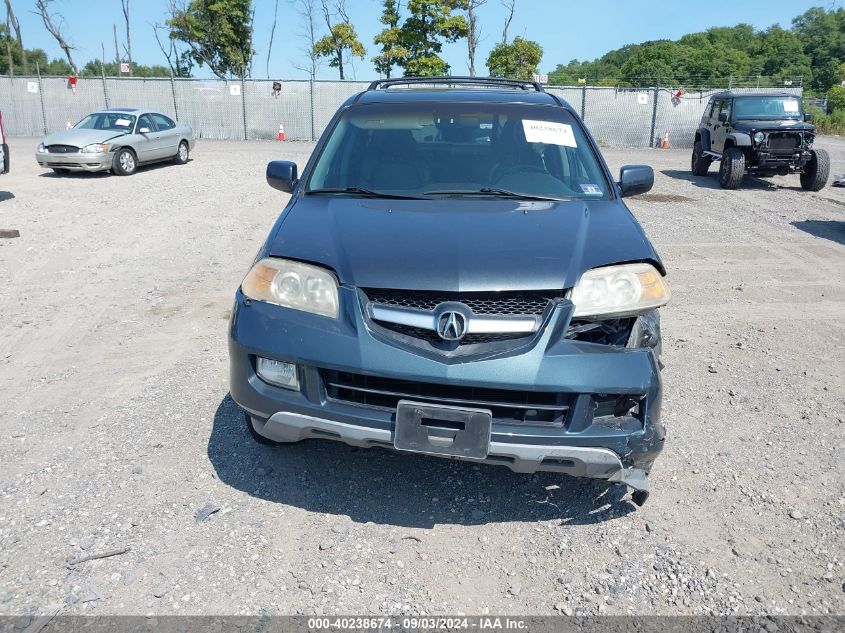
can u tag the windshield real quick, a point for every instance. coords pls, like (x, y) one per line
(767, 108)
(459, 149)
(112, 121)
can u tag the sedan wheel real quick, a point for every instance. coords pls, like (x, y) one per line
(125, 162)
(182, 153)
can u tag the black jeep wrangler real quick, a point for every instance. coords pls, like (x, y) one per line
(762, 134)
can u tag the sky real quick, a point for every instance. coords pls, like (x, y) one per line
(566, 29)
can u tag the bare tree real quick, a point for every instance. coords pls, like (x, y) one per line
(124, 4)
(272, 33)
(116, 47)
(171, 54)
(307, 10)
(11, 60)
(509, 5)
(12, 21)
(55, 29)
(473, 31)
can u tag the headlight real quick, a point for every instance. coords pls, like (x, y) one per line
(759, 137)
(292, 285)
(41, 149)
(95, 148)
(619, 290)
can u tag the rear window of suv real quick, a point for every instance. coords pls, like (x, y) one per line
(424, 148)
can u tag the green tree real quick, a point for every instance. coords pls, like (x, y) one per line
(95, 68)
(218, 34)
(341, 38)
(823, 35)
(390, 40)
(836, 98)
(429, 24)
(517, 60)
(653, 60)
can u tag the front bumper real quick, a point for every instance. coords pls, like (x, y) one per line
(78, 161)
(620, 449)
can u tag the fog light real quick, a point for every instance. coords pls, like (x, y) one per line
(277, 373)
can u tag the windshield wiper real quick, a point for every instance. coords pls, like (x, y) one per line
(489, 191)
(367, 192)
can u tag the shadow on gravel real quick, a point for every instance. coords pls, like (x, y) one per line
(402, 490)
(833, 230)
(711, 181)
(6, 195)
(106, 174)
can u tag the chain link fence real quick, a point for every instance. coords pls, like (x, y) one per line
(250, 109)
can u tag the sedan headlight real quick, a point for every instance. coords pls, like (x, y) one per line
(41, 149)
(292, 285)
(619, 290)
(759, 137)
(95, 148)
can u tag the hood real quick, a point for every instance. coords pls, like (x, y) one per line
(755, 125)
(459, 246)
(80, 137)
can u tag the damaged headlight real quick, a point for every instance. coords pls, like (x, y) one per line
(627, 289)
(292, 285)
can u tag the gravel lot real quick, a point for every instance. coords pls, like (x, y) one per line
(116, 430)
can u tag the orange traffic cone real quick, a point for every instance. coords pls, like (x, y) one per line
(664, 144)
(281, 136)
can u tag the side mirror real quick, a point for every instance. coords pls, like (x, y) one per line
(808, 117)
(635, 179)
(281, 175)
(143, 130)
(723, 117)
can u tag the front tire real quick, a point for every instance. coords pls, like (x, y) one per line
(700, 162)
(732, 168)
(181, 154)
(815, 174)
(125, 162)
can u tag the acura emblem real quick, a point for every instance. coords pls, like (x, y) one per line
(451, 326)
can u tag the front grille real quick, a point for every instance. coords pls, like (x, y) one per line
(488, 303)
(62, 149)
(508, 406)
(784, 141)
(430, 336)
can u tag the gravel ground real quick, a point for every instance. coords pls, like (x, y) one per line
(117, 432)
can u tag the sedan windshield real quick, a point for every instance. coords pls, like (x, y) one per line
(459, 150)
(111, 121)
(767, 108)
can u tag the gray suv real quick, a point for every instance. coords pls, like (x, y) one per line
(764, 134)
(456, 274)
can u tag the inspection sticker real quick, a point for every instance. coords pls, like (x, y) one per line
(591, 190)
(549, 133)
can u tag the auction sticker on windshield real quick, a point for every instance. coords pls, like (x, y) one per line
(790, 106)
(549, 132)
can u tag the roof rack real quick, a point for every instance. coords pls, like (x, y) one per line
(456, 81)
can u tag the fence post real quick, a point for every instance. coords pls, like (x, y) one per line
(313, 134)
(243, 102)
(654, 114)
(105, 90)
(584, 100)
(173, 90)
(41, 97)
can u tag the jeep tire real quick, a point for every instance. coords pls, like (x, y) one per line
(732, 168)
(700, 162)
(814, 176)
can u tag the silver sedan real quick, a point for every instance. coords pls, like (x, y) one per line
(117, 139)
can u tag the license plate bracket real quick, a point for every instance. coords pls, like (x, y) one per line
(442, 430)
